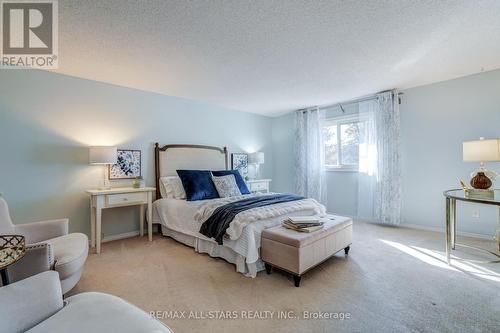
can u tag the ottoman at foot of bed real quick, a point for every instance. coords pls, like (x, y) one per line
(297, 252)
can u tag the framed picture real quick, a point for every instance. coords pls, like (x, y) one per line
(128, 165)
(239, 162)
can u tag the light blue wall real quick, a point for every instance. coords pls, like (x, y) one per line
(283, 138)
(435, 120)
(48, 120)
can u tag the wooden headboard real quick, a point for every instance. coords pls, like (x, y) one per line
(170, 158)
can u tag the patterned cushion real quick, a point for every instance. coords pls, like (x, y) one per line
(239, 180)
(226, 186)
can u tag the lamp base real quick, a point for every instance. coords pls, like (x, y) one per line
(105, 183)
(480, 181)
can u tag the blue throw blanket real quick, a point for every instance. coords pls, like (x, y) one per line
(216, 225)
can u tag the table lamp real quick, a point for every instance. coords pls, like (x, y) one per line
(257, 159)
(104, 155)
(482, 150)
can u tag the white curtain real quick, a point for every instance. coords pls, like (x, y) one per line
(309, 156)
(379, 182)
(368, 166)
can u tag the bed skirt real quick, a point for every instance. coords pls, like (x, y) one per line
(217, 251)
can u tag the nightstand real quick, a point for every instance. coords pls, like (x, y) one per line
(259, 185)
(119, 197)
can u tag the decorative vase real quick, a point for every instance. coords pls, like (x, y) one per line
(480, 181)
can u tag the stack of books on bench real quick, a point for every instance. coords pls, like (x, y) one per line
(303, 223)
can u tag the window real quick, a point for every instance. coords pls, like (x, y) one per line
(342, 137)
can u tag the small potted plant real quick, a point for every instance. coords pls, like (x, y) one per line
(138, 182)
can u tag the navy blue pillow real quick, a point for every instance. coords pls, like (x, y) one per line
(198, 184)
(239, 180)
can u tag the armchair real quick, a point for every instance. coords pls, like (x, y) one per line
(35, 305)
(49, 247)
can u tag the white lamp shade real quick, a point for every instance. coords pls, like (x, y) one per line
(481, 150)
(102, 155)
(256, 158)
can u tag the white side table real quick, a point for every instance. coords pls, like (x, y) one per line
(119, 197)
(259, 185)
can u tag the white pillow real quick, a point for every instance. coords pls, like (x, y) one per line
(226, 186)
(171, 187)
(163, 191)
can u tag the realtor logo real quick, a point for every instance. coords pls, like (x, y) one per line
(29, 34)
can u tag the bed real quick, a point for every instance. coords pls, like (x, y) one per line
(182, 219)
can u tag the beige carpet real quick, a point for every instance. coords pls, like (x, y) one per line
(392, 281)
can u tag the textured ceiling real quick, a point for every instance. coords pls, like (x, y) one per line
(270, 57)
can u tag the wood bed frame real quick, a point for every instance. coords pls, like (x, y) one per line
(159, 149)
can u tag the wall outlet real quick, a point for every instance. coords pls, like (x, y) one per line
(475, 214)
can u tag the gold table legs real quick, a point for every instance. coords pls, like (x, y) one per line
(451, 233)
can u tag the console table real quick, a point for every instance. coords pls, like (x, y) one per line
(451, 231)
(119, 197)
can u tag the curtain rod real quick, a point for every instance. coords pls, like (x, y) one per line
(357, 100)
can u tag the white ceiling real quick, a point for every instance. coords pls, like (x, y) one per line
(270, 57)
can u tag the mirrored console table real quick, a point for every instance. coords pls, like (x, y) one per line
(451, 220)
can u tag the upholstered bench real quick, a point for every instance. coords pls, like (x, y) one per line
(297, 252)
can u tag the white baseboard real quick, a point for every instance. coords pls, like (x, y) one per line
(441, 230)
(120, 236)
(129, 234)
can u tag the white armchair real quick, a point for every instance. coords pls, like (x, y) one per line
(35, 305)
(49, 247)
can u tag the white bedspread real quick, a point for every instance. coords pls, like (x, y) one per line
(188, 216)
(247, 217)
